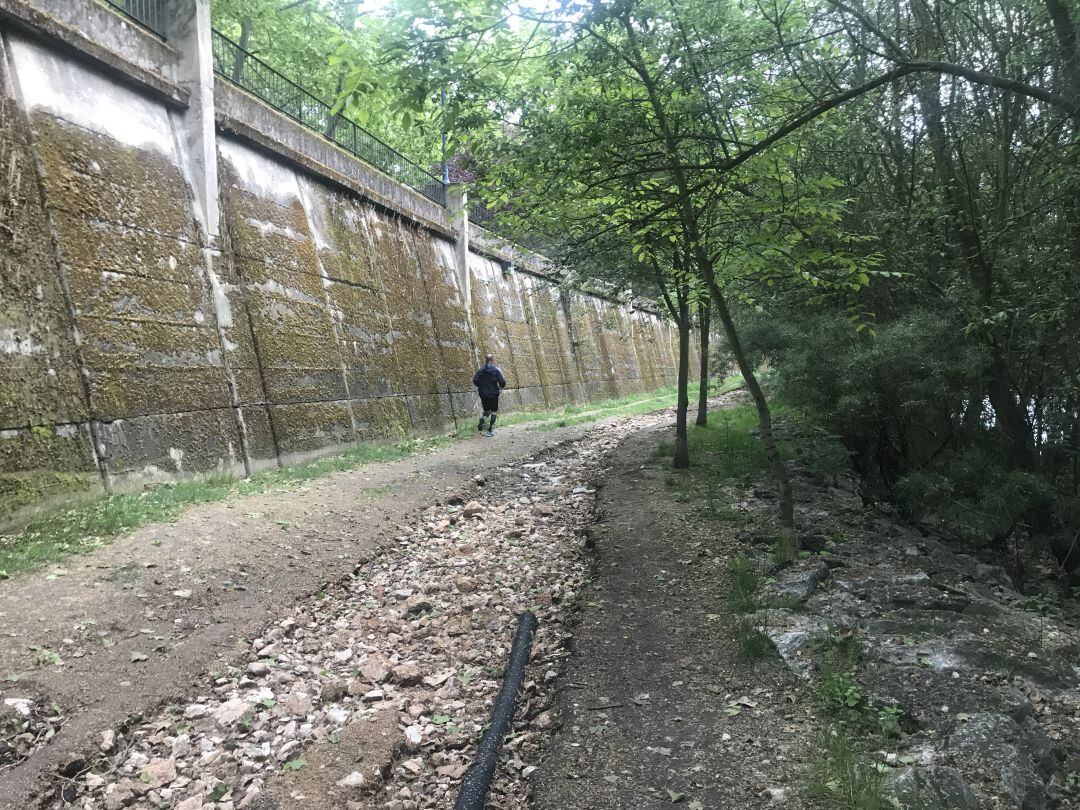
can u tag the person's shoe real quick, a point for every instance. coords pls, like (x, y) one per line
(489, 434)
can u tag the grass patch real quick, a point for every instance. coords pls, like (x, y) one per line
(743, 584)
(632, 405)
(783, 548)
(843, 777)
(753, 643)
(55, 535)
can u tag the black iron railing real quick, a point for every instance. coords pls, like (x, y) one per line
(147, 13)
(283, 94)
(480, 214)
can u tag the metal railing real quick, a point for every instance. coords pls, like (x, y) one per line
(147, 13)
(283, 94)
(480, 214)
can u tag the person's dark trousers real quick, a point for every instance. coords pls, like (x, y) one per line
(491, 408)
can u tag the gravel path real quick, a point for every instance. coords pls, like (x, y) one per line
(372, 692)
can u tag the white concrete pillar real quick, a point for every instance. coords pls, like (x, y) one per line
(457, 204)
(187, 29)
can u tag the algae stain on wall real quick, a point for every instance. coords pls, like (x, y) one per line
(316, 320)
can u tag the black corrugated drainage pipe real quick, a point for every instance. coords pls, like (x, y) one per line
(474, 786)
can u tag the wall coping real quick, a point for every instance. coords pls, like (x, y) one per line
(250, 118)
(94, 34)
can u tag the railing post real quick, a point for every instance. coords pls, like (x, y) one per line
(187, 29)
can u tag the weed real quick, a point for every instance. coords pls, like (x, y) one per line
(888, 721)
(844, 778)
(839, 696)
(753, 643)
(783, 550)
(743, 584)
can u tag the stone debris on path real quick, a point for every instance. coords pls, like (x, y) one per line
(414, 641)
(26, 724)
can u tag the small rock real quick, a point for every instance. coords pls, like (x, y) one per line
(353, 780)
(93, 781)
(108, 740)
(332, 691)
(159, 772)
(775, 794)
(376, 670)
(407, 673)
(229, 713)
(465, 584)
(414, 735)
(296, 703)
(257, 669)
(472, 508)
(195, 711)
(417, 604)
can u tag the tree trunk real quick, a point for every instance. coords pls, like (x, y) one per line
(682, 447)
(241, 56)
(695, 240)
(703, 382)
(765, 430)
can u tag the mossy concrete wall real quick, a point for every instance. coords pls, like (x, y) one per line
(135, 345)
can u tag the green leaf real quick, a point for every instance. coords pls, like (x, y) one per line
(294, 765)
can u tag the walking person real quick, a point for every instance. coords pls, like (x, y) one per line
(489, 382)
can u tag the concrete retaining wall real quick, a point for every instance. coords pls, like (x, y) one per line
(162, 316)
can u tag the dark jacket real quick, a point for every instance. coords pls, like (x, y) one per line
(488, 380)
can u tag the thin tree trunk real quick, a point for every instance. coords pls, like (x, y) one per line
(695, 239)
(765, 428)
(703, 381)
(682, 447)
(241, 56)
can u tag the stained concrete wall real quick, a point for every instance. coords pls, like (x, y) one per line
(323, 307)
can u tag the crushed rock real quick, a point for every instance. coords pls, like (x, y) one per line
(421, 633)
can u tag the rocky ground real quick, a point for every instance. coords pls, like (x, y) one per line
(958, 689)
(372, 693)
(981, 679)
(110, 635)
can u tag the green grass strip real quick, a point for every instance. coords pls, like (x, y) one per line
(55, 535)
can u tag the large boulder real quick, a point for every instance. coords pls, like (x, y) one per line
(933, 788)
(995, 750)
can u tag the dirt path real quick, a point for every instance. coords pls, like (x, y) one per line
(655, 708)
(371, 694)
(139, 622)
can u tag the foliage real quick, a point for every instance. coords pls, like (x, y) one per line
(886, 195)
(743, 583)
(842, 777)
